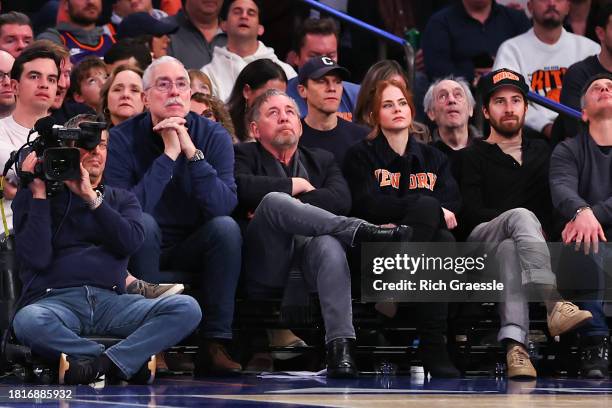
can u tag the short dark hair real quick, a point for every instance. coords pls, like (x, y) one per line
(127, 48)
(82, 70)
(30, 54)
(228, 3)
(317, 26)
(14, 17)
(602, 17)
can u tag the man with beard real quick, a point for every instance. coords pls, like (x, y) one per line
(542, 55)
(80, 34)
(507, 207)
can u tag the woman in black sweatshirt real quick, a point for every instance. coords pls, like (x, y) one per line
(395, 179)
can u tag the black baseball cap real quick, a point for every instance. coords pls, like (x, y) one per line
(500, 78)
(137, 24)
(596, 77)
(318, 67)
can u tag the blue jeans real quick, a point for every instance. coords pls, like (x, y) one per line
(55, 323)
(212, 252)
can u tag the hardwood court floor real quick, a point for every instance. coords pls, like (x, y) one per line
(379, 392)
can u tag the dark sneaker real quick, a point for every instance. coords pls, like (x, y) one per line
(154, 290)
(594, 360)
(146, 374)
(73, 371)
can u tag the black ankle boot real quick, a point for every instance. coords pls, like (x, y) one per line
(340, 361)
(594, 357)
(436, 361)
(367, 232)
(74, 371)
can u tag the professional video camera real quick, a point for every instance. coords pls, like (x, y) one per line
(57, 152)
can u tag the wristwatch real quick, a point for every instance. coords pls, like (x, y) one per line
(197, 156)
(95, 203)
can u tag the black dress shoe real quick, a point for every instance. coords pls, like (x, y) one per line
(340, 361)
(367, 232)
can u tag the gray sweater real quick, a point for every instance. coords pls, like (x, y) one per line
(581, 175)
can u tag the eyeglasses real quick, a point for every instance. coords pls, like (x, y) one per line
(165, 85)
(3, 75)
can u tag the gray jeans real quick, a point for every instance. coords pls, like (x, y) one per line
(516, 241)
(270, 247)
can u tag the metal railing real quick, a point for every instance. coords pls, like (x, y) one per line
(554, 106)
(408, 50)
(410, 54)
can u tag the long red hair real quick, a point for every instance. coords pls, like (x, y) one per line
(374, 117)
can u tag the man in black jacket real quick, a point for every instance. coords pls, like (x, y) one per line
(507, 202)
(293, 199)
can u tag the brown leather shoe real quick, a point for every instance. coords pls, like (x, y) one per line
(214, 360)
(519, 365)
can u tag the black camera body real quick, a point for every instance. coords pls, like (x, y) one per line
(57, 150)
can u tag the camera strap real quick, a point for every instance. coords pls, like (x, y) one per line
(4, 224)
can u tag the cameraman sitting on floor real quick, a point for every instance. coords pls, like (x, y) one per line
(73, 248)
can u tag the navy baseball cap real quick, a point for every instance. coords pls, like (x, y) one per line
(500, 78)
(318, 67)
(137, 24)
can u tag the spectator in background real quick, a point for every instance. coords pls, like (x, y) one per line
(542, 56)
(581, 18)
(384, 70)
(121, 95)
(152, 32)
(320, 38)
(579, 73)
(34, 77)
(86, 81)
(127, 51)
(139, 6)
(62, 109)
(15, 32)
(462, 39)
(80, 34)
(255, 79)
(320, 85)
(198, 34)
(240, 21)
(200, 82)
(449, 103)
(7, 94)
(212, 108)
(121, 9)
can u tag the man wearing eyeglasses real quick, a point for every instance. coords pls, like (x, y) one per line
(7, 96)
(180, 166)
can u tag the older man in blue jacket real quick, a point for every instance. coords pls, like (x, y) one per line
(180, 167)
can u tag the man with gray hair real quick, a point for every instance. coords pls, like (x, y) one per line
(180, 167)
(450, 105)
(292, 200)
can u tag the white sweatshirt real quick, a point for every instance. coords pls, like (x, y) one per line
(225, 67)
(12, 137)
(543, 66)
